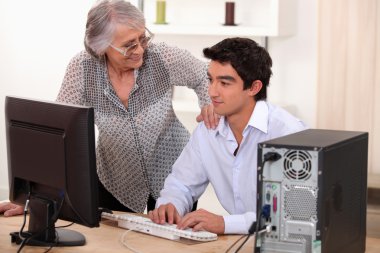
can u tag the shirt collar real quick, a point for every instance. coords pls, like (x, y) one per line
(224, 129)
(260, 116)
(258, 120)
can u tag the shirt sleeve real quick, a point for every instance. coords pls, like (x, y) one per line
(186, 70)
(238, 223)
(72, 88)
(188, 179)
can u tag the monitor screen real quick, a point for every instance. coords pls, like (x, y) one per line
(52, 167)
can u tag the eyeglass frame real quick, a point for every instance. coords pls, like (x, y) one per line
(132, 48)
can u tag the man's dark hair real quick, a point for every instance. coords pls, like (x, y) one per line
(251, 61)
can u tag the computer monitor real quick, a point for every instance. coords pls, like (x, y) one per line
(52, 166)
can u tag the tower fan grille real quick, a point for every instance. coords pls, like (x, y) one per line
(297, 165)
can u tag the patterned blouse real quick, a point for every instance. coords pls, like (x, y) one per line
(137, 145)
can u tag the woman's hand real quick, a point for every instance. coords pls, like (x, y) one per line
(10, 209)
(210, 118)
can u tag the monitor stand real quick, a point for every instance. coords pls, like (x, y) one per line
(43, 214)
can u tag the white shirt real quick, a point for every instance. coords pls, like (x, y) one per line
(209, 158)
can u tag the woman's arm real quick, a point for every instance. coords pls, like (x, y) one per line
(72, 88)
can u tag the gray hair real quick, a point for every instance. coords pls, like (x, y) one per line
(102, 20)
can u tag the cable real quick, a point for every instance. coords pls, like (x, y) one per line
(21, 233)
(251, 231)
(241, 245)
(267, 229)
(54, 218)
(123, 241)
(24, 221)
(65, 226)
(232, 245)
(270, 156)
(48, 249)
(22, 244)
(56, 236)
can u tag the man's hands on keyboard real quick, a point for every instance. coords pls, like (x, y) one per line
(203, 220)
(165, 214)
(169, 231)
(198, 220)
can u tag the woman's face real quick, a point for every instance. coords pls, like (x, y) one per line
(127, 48)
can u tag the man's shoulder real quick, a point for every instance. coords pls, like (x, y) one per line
(202, 133)
(282, 121)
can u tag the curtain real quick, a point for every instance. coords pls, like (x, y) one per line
(349, 70)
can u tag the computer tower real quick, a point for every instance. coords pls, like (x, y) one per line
(312, 189)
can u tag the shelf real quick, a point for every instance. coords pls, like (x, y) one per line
(212, 30)
(255, 18)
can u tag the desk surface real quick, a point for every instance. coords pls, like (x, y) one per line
(107, 238)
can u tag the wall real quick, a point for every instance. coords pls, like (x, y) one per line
(293, 84)
(38, 38)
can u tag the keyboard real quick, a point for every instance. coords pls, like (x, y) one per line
(168, 231)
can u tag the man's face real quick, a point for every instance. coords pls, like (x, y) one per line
(226, 90)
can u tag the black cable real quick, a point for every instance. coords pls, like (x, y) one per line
(232, 245)
(56, 236)
(242, 244)
(22, 244)
(21, 233)
(65, 226)
(31, 236)
(48, 249)
(258, 225)
(270, 156)
(250, 232)
(24, 221)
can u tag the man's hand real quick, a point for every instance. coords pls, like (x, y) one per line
(203, 220)
(209, 117)
(10, 209)
(165, 213)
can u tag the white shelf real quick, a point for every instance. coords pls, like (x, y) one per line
(200, 17)
(238, 30)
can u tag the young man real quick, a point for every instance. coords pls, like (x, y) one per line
(226, 157)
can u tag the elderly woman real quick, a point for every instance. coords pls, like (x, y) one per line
(129, 81)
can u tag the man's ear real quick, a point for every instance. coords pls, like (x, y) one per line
(255, 87)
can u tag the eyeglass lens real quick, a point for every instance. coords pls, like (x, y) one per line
(143, 41)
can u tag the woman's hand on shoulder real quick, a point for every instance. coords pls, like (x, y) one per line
(210, 118)
(10, 209)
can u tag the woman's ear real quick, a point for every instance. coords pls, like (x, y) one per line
(255, 87)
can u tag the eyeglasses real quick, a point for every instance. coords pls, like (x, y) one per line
(144, 41)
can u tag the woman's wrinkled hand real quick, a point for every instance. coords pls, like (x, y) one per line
(10, 209)
(210, 118)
